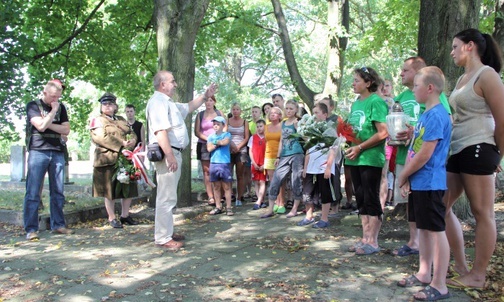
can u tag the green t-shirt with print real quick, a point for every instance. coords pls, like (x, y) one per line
(362, 117)
(413, 109)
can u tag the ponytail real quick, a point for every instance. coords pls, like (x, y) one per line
(493, 54)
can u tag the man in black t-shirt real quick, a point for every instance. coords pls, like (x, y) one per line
(47, 121)
(137, 126)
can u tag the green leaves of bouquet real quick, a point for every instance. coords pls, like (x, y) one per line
(314, 133)
(125, 172)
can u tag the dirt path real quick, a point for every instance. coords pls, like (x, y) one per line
(239, 258)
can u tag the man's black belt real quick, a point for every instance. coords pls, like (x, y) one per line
(178, 149)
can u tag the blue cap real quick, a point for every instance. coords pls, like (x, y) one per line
(219, 119)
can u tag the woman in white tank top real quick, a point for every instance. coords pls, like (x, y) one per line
(477, 137)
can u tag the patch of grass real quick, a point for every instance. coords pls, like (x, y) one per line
(82, 181)
(197, 186)
(13, 200)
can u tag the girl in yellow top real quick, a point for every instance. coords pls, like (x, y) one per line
(272, 133)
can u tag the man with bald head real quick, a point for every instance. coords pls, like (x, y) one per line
(166, 125)
(46, 123)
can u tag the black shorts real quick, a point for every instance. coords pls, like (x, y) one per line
(202, 152)
(366, 183)
(479, 159)
(427, 209)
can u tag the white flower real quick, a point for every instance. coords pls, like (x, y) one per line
(122, 177)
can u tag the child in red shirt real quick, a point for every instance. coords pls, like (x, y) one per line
(257, 149)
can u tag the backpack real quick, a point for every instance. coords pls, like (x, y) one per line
(29, 126)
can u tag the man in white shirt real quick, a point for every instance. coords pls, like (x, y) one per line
(167, 127)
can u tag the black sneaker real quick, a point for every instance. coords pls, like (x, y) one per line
(128, 220)
(116, 224)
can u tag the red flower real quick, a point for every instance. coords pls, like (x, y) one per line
(345, 129)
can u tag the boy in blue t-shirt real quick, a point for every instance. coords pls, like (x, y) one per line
(220, 170)
(424, 180)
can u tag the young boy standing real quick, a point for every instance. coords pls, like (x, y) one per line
(424, 180)
(319, 164)
(220, 170)
(257, 149)
(256, 116)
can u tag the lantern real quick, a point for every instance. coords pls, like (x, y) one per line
(396, 122)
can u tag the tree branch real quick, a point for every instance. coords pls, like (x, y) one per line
(70, 38)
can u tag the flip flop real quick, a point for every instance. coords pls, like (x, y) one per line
(354, 247)
(432, 294)
(457, 284)
(268, 215)
(411, 281)
(367, 250)
(405, 250)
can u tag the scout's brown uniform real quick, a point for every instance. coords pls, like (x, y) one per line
(108, 134)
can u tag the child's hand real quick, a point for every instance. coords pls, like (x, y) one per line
(405, 189)
(401, 180)
(304, 173)
(261, 168)
(276, 162)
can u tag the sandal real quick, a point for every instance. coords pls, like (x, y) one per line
(229, 212)
(367, 249)
(290, 215)
(215, 211)
(211, 201)
(289, 204)
(405, 250)
(354, 247)
(432, 294)
(411, 281)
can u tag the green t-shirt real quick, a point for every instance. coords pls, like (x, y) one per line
(362, 117)
(252, 127)
(413, 109)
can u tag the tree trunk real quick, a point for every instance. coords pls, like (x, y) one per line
(305, 93)
(177, 24)
(343, 40)
(498, 33)
(439, 21)
(333, 50)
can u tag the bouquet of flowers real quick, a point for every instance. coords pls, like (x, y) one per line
(315, 133)
(345, 130)
(325, 135)
(125, 173)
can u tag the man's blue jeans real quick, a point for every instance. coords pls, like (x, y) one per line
(40, 162)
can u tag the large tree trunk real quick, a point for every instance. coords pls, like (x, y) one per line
(343, 40)
(333, 49)
(304, 92)
(177, 24)
(498, 33)
(439, 21)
